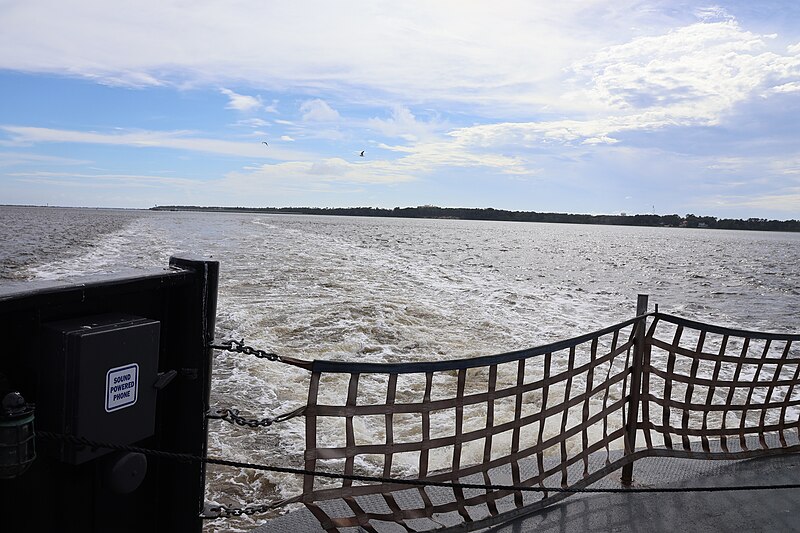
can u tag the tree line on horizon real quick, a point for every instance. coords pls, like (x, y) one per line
(489, 213)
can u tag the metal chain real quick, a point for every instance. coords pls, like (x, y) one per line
(223, 511)
(240, 347)
(232, 416)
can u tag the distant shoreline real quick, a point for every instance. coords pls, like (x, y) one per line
(429, 211)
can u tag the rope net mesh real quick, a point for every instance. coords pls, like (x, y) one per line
(718, 391)
(553, 416)
(528, 418)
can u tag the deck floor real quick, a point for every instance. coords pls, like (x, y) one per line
(751, 510)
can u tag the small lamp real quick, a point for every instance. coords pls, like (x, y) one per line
(17, 450)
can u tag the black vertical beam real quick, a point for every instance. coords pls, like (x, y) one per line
(184, 423)
(636, 387)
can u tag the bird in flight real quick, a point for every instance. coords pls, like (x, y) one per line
(265, 142)
(362, 153)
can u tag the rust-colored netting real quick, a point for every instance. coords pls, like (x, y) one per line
(527, 418)
(553, 416)
(718, 391)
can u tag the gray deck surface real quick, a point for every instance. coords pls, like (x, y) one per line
(752, 510)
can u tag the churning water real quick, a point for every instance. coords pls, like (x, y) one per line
(388, 290)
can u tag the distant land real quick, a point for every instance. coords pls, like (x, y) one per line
(432, 211)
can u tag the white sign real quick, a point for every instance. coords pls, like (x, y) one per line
(122, 387)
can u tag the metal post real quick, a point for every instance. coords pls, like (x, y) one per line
(636, 387)
(194, 358)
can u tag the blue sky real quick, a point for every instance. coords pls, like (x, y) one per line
(571, 106)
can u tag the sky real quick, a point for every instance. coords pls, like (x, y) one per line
(577, 106)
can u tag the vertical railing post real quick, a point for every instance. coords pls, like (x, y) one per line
(194, 310)
(636, 387)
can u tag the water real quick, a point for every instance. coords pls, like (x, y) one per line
(398, 290)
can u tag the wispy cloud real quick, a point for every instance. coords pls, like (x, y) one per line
(11, 159)
(510, 56)
(713, 13)
(318, 110)
(691, 75)
(791, 87)
(466, 51)
(787, 202)
(252, 123)
(272, 108)
(242, 102)
(101, 180)
(318, 175)
(127, 78)
(403, 124)
(179, 140)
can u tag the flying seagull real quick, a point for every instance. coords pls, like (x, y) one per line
(362, 153)
(265, 142)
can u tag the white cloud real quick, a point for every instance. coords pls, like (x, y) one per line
(178, 140)
(502, 58)
(465, 51)
(252, 123)
(527, 134)
(318, 110)
(791, 87)
(315, 174)
(10, 159)
(786, 166)
(692, 74)
(101, 180)
(457, 151)
(403, 124)
(713, 14)
(786, 202)
(286, 138)
(600, 140)
(126, 79)
(417, 160)
(241, 102)
(272, 108)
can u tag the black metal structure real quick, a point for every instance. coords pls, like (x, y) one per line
(70, 487)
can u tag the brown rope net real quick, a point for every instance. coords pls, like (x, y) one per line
(552, 416)
(715, 392)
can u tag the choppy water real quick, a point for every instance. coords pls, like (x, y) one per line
(395, 289)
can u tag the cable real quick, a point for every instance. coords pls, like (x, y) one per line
(184, 457)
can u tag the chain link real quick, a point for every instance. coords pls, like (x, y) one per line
(232, 416)
(223, 511)
(240, 347)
